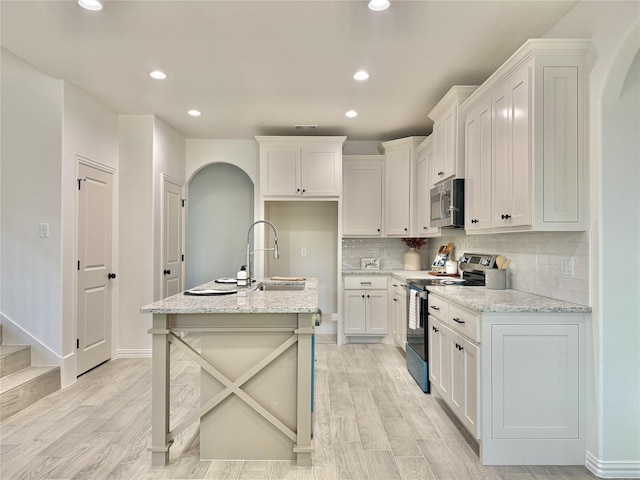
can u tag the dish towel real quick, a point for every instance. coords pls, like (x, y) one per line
(413, 309)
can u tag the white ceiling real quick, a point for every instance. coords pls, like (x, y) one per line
(261, 67)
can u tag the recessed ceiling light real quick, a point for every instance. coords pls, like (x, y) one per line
(93, 5)
(361, 75)
(351, 113)
(194, 113)
(158, 75)
(379, 5)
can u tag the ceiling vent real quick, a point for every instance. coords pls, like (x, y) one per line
(305, 127)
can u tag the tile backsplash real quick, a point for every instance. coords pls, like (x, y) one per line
(551, 264)
(390, 251)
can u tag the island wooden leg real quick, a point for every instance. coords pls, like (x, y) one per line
(160, 391)
(303, 447)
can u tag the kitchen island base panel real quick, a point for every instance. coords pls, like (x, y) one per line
(257, 374)
(245, 424)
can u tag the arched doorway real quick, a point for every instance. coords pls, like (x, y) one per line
(219, 211)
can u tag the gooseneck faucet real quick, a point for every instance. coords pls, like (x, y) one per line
(276, 255)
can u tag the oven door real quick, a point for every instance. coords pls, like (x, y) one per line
(417, 320)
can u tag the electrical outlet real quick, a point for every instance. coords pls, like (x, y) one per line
(303, 252)
(566, 266)
(44, 230)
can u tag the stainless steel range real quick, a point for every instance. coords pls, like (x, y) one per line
(473, 267)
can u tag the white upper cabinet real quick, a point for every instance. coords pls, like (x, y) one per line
(424, 172)
(399, 186)
(301, 166)
(362, 195)
(448, 134)
(534, 144)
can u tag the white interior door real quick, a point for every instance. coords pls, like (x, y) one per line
(95, 274)
(172, 259)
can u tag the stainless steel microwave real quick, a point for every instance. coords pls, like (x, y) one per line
(447, 203)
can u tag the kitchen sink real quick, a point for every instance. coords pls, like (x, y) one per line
(264, 286)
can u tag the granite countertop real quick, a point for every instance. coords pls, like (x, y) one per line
(246, 300)
(481, 299)
(484, 300)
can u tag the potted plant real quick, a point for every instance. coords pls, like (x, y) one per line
(412, 259)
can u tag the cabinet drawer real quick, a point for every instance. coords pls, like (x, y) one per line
(465, 322)
(369, 282)
(397, 286)
(438, 307)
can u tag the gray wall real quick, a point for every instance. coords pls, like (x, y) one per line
(219, 212)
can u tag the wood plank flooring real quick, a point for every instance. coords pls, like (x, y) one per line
(371, 422)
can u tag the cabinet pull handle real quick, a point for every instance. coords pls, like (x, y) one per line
(459, 347)
(433, 307)
(395, 299)
(365, 283)
(505, 216)
(457, 320)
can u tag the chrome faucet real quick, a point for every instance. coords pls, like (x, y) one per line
(276, 255)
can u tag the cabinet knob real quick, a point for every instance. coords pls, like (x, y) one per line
(406, 229)
(425, 228)
(111, 275)
(378, 229)
(303, 190)
(474, 220)
(298, 190)
(505, 216)
(440, 174)
(362, 295)
(167, 272)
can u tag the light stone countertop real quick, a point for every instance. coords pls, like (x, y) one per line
(245, 301)
(480, 299)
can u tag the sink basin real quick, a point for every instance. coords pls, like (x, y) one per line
(280, 286)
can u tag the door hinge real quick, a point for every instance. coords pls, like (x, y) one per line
(77, 343)
(80, 180)
(183, 200)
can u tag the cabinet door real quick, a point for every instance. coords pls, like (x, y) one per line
(362, 199)
(424, 182)
(397, 192)
(520, 97)
(478, 167)
(377, 315)
(445, 144)
(321, 172)
(501, 165)
(354, 312)
(535, 381)
(280, 170)
(464, 381)
(435, 364)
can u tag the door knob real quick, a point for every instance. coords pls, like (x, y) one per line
(167, 272)
(111, 275)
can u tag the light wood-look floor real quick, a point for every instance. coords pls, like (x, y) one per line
(372, 422)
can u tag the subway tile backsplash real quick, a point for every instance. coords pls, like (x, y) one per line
(538, 259)
(390, 251)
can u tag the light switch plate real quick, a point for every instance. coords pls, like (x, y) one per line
(44, 230)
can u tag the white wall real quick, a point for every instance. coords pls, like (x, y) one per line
(613, 443)
(30, 279)
(148, 148)
(135, 233)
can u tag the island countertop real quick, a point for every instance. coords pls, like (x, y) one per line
(246, 300)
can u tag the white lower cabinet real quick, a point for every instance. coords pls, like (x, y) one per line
(398, 297)
(514, 380)
(365, 307)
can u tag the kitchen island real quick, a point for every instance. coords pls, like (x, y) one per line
(256, 369)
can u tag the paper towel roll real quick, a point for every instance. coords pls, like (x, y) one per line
(451, 266)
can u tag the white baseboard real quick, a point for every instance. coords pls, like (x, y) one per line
(327, 327)
(604, 469)
(133, 353)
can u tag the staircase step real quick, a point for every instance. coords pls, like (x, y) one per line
(21, 389)
(14, 358)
